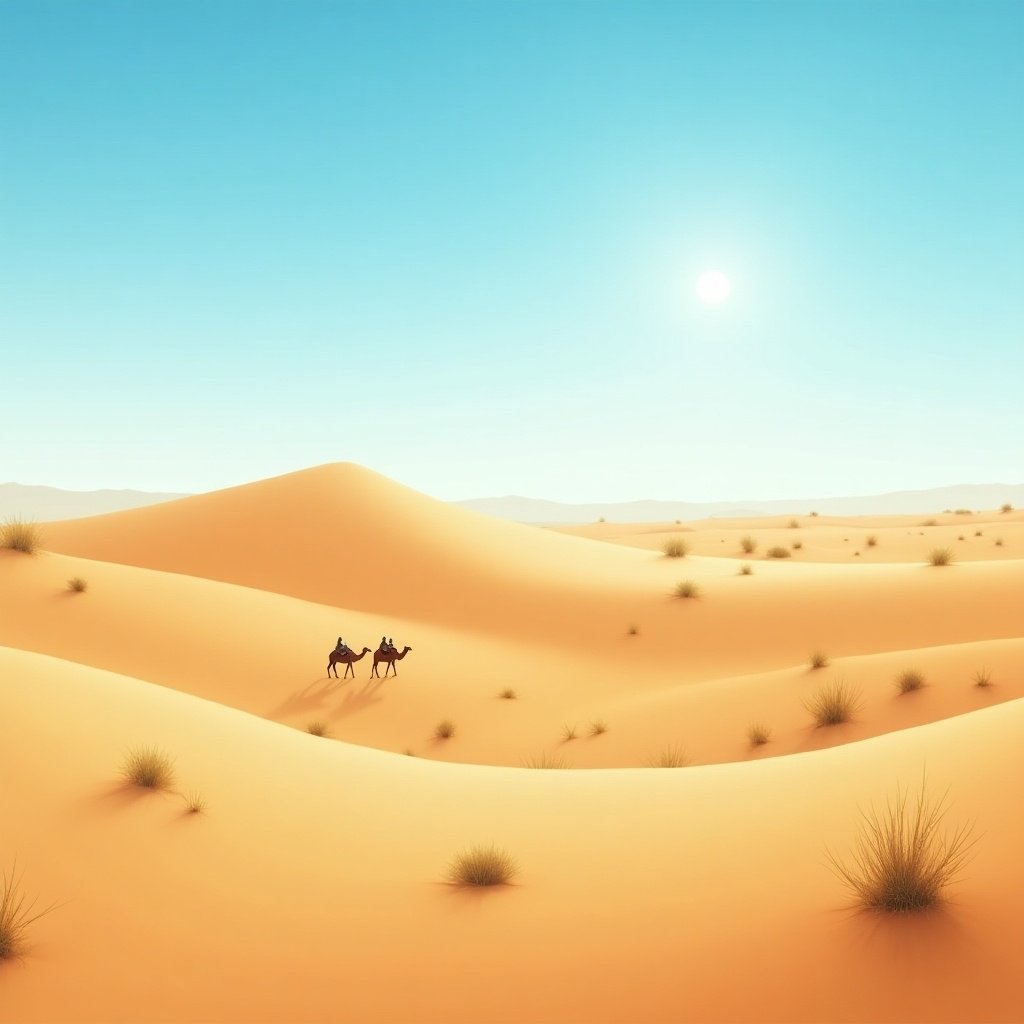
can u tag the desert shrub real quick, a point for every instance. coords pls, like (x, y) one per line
(673, 756)
(815, 514)
(20, 535)
(598, 727)
(444, 730)
(982, 678)
(758, 734)
(317, 728)
(930, 522)
(819, 659)
(16, 914)
(675, 547)
(746, 570)
(834, 704)
(909, 681)
(963, 512)
(195, 802)
(687, 588)
(940, 556)
(749, 545)
(797, 545)
(903, 860)
(961, 537)
(999, 542)
(508, 694)
(793, 524)
(977, 533)
(634, 630)
(778, 552)
(1007, 507)
(545, 760)
(568, 733)
(148, 767)
(77, 585)
(482, 865)
(872, 540)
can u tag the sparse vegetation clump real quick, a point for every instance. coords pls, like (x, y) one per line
(634, 630)
(982, 678)
(999, 542)
(598, 727)
(77, 585)
(834, 704)
(793, 524)
(444, 730)
(15, 915)
(909, 681)
(317, 728)
(815, 514)
(673, 756)
(819, 659)
(963, 512)
(482, 865)
(778, 552)
(568, 733)
(758, 734)
(20, 535)
(508, 694)
(749, 545)
(872, 540)
(903, 860)
(687, 588)
(977, 533)
(195, 802)
(930, 522)
(940, 556)
(797, 545)
(148, 767)
(746, 569)
(545, 760)
(675, 547)
(1006, 507)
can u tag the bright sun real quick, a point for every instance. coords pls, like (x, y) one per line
(713, 287)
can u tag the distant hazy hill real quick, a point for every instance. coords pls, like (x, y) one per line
(533, 510)
(47, 503)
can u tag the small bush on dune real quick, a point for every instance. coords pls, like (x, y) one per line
(977, 533)
(195, 802)
(819, 659)
(793, 524)
(675, 547)
(797, 545)
(815, 514)
(999, 542)
(778, 552)
(634, 630)
(872, 540)
(758, 734)
(940, 556)
(982, 678)
(445, 729)
(482, 865)
(687, 588)
(148, 767)
(903, 861)
(598, 727)
(835, 704)
(568, 733)
(673, 756)
(508, 694)
(317, 728)
(963, 512)
(1006, 507)
(749, 545)
(546, 761)
(909, 681)
(746, 570)
(20, 535)
(15, 915)
(77, 585)
(930, 522)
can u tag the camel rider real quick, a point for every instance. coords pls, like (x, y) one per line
(391, 646)
(384, 644)
(342, 647)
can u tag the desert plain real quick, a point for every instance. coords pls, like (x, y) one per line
(312, 886)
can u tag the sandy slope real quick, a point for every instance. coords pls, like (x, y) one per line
(311, 888)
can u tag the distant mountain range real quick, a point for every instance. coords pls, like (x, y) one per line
(50, 503)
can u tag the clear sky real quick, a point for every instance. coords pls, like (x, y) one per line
(457, 243)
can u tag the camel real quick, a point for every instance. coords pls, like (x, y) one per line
(390, 657)
(347, 660)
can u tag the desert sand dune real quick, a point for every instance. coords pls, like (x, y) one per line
(312, 886)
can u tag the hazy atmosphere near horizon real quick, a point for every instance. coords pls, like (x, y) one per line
(577, 251)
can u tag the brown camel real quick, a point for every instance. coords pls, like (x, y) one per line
(390, 657)
(346, 660)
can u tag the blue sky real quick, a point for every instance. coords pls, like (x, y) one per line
(457, 243)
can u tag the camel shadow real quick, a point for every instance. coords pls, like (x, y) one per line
(354, 702)
(309, 698)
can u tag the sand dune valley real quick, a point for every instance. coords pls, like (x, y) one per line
(673, 866)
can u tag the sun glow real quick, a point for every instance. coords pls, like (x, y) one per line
(713, 287)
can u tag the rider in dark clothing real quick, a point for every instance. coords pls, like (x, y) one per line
(342, 647)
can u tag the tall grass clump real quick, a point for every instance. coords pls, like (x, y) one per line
(15, 915)
(982, 678)
(317, 728)
(909, 681)
(940, 556)
(675, 547)
(545, 760)
(598, 727)
(834, 704)
(749, 545)
(444, 730)
(148, 767)
(778, 552)
(195, 802)
(77, 585)
(482, 865)
(20, 535)
(687, 588)
(758, 734)
(903, 859)
(819, 659)
(673, 756)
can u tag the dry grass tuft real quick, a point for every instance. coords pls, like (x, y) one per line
(746, 570)
(999, 542)
(940, 556)
(77, 585)
(749, 545)
(834, 704)
(15, 915)
(758, 734)
(195, 802)
(444, 730)
(982, 678)
(930, 522)
(568, 733)
(815, 514)
(793, 524)
(778, 552)
(598, 727)
(963, 512)
(909, 681)
(482, 865)
(675, 547)
(317, 728)
(508, 694)
(872, 540)
(819, 659)
(797, 545)
(903, 860)
(545, 760)
(148, 767)
(673, 756)
(687, 588)
(20, 535)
